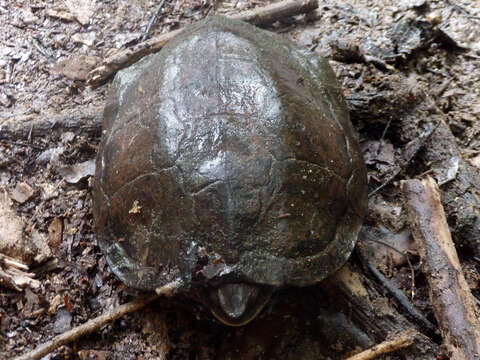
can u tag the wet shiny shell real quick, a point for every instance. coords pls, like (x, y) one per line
(228, 157)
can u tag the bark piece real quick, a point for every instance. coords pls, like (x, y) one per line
(13, 274)
(11, 235)
(450, 296)
(460, 181)
(24, 128)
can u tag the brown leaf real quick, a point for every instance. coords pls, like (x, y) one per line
(82, 10)
(55, 232)
(68, 304)
(76, 67)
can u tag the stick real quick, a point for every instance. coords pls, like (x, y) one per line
(269, 14)
(13, 274)
(96, 323)
(450, 295)
(403, 339)
(401, 298)
(26, 128)
(153, 20)
(260, 16)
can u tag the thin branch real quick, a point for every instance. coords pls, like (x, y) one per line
(153, 20)
(13, 274)
(259, 16)
(97, 323)
(403, 339)
(462, 10)
(402, 298)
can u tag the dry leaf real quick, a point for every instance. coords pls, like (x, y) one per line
(60, 14)
(55, 232)
(82, 10)
(76, 67)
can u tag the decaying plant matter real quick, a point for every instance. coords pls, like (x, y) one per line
(410, 81)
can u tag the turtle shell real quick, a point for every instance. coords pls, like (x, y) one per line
(228, 158)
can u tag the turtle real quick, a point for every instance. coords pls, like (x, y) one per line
(228, 162)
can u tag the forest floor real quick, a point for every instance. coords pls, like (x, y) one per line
(410, 71)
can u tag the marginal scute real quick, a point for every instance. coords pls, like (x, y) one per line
(228, 158)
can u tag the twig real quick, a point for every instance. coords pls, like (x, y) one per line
(260, 16)
(401, 298)
(471, 56)
(8, 261)
(412, 275)
(153, 20)
(13, 274)
(385, 183)
(268, 14)
(22, 144)
(96, 323)
(405, 254)
(463, 10)
(383, 134)
(411, 149)
(403, 339)
(378, 63)
(452, 301)
(40, 49)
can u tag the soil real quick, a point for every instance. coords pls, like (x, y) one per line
(410, 71)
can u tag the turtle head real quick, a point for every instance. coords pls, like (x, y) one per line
(236, 304)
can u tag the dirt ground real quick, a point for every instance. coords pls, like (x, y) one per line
(410, 70)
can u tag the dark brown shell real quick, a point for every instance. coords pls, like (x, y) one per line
(228, 157)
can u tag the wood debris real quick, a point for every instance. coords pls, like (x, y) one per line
(258, 16)
(95, 324)
(15, 275)
(400, 341)
(452, 301)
